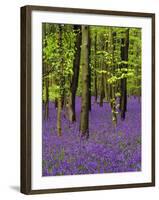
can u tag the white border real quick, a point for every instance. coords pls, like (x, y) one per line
(39, 182)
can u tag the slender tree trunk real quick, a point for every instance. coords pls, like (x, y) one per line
(123, 98)
(59, 109)
(113, 88)
(113, 51)
(124, 57)
(95, 66)
(69, 111)
(59, 100)
(47, 98)
(62, 83)
(138, 81)
(76, 66)
(84, 118)
(106, 90)
(95, 86)
(55, 102)
(46, 80)
(102, 94)
(89, 74)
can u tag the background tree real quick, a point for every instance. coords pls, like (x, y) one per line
(45, 81)
(76, 68)
(124, 65)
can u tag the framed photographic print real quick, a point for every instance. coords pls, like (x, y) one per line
(87, 99)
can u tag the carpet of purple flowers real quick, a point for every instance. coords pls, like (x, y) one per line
(107, 150)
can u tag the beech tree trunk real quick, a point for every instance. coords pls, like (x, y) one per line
(46, 81)
(89, 66)
(84, 118)
(124, 57)
(59, 109)
(55, 102)
(47, 99)
(106, 87)
(95, 66)
(60, 82)
(113, 88)
(102, 93)
(76, 66)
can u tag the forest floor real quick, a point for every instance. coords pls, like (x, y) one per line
(107, 149)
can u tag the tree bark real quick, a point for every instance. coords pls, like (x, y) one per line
(46, 81)
(76, 66)
(112, 86)
(59, 109)
(95, 66)
(124, 57)
(89, 66)
(102, 67)
(84, 118)
(47, 98)
(60, 82)
(113, 50)
(102, 93)
(55, 102)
